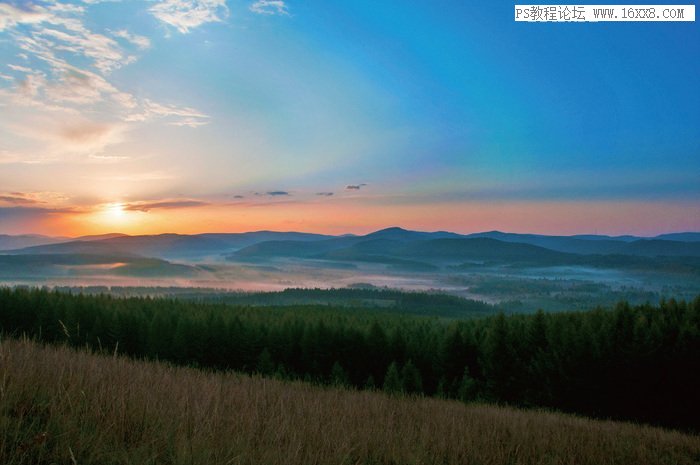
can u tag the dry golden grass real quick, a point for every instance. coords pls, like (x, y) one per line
(62, 406)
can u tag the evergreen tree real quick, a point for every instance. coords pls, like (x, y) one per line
(339, 376)
(467, 387)
(499, 361)
(376, 357)
(411, 380)
(265, 365)
(452, 354)
(392, 379)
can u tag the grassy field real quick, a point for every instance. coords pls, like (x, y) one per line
(61, 406)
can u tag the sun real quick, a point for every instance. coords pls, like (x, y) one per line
(115, 211)
(113, 215)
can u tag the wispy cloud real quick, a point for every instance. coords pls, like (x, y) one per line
(68, 135)
(63, 94)
(269, 7)
(141, 42)
(354, 187)
(16, 199)
(277, 193)
(178, 115)
(325, 194)
(11, 16)
(32, 198)
(89, 136)
(59, 27)
(163, 204)
(21, 69)
(185, 15)
(30, 213)
(80, 87)
(22, 210)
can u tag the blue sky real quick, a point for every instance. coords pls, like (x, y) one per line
(430, 108)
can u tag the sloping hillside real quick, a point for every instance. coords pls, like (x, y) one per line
(61, 406)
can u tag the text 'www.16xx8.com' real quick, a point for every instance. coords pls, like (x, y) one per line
(599, 13)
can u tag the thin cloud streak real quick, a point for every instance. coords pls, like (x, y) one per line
(270, 7)
(141, 42)
(17, 200)
(22, 212)
(185, 15)
(165, 204)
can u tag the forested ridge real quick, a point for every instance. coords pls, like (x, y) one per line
(638, 363)
(389, 300)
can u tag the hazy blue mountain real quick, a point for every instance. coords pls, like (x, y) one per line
(168, 246)
(77, 265)
(30, 240)
(681, 237)
(400, 234)
(407, 249)
(601, 237)
(378, 242)
(658, 247)
(396, 251)
(240, 240)
(570, 244)
(27, 240)
(371, 246)
(481, 249)
(298, 249)
(98, 247)
(392, 243)
(97, 237)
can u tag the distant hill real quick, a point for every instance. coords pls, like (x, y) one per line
(391, 245)
(603, 245)
(483, 249)
(404, 235)
(27, 240)
(166, 246)
(288, 248)
(658, 247)
(392, 251)
(681, 237)
(99, 237)
(73, 265)
(8, 242)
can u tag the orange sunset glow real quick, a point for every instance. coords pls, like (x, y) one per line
(352, 217)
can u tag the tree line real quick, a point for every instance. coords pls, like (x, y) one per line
(639, 363)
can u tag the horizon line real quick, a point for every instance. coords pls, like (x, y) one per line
(492, 231)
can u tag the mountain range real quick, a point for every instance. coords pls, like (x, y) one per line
(395, 247)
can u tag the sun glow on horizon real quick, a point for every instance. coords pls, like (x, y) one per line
(115, 211)
(114, 215)
(558, 218)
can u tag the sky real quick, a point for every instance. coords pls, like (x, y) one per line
(192, 116)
